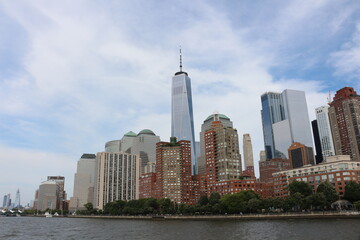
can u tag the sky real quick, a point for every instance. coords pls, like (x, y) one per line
(76, 74)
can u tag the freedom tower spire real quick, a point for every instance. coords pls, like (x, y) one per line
(182, 120)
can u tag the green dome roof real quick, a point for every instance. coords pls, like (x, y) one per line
(220, 116)
(146, 131)
(130, 134)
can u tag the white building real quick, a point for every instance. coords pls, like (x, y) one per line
(117, 177)
(326, 140)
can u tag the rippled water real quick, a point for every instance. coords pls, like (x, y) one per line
(70, 228)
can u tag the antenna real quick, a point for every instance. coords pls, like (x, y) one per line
(180, 60)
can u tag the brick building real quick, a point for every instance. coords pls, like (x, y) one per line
(268, 167)
(337, 170)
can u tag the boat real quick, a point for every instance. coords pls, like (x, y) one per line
(47, 214)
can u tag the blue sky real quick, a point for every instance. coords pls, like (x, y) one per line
(75, 74)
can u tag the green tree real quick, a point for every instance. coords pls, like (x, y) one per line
(329, 192)
(254, 205)
(300, 187)
(214, 198)
(203, 200)
(89, 206)
(316, 201)
(352, 191)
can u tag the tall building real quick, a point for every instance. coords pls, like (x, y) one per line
(324, 128)
(267, 168)
(60, 181)
(248, 152)
(319, 156)
(17, 199)
(223, 159)
(113, 146)
(117, 177)
(182, 120)
(207, 125)
(173, 171)
(262, 156)
(48, 196)
(84, 182)
(300, 155)
(285, 120)
(344, 115)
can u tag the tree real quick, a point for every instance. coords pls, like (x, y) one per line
(89, 206)
(316, 200)
(300, 187)
(203, 200)
(352, 191)
(214, 198)
(329, 192)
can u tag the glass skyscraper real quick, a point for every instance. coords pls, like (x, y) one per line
(182, 121)
(285, 120)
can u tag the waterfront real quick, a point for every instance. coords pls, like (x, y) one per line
(81, 228)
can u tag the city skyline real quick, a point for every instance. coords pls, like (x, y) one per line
(76, 75)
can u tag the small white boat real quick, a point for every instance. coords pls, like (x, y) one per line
(47, 214)
(56, 214)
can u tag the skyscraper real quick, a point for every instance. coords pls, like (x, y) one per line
(207, 125)
(300, 155)
(182, 122)
(84, 182)
(248, 152)
(325, 135)
(223, 159)
(344, 115)
(17, 199)
(285, 120)
(319, 156)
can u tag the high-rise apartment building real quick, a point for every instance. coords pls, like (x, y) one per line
(223, 159)
(117, 177)
(300, 155)
(344, 115)
(324, 128)
(173, 171)
(207, 125)
(84, 182)
(285, 120)
(182, 120)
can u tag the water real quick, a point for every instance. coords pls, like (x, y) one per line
(70, 228)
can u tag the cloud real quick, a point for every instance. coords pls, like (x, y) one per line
(90, 72)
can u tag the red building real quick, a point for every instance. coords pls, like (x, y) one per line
(147, 185)
(268, 167)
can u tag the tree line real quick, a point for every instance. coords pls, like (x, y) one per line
(301, 198)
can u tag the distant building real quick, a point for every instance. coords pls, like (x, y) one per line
(319, 153)
(84, 182)
(325, 135)
(344, 115)
(17, 199)
(182, 118)
(300, 155)
(117, 177)
(285, 120)
(60, 181)
(48, 197)
(248, 155)
(268, 167)
(113, 146)
(207, 125)
(338, 170)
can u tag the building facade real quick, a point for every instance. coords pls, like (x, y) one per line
(248, 154)
(300, 155)
(344, 115)
(173, 171)
(207, 125)
(223, 159)
(182, 120)
(268, 167)
(117, 177)
(338, 170)
(285, 120)
(84, 182)
(324, 128)
(48, 196)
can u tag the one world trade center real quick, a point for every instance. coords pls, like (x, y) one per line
(182, 120)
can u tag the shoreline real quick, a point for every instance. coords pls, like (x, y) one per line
(230, 217)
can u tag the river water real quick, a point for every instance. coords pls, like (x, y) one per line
(81, 228)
